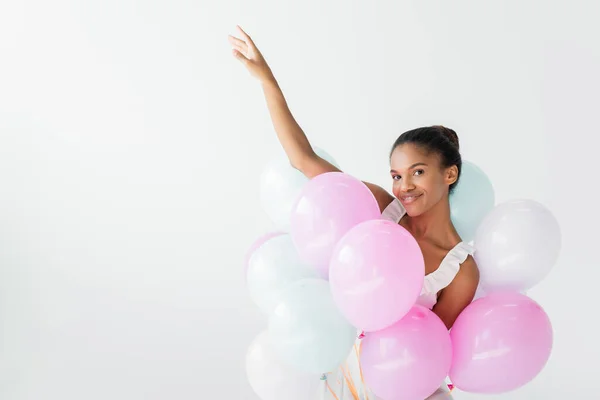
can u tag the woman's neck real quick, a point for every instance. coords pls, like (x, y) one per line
(434, 225)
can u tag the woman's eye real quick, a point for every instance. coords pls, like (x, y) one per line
(418, 172)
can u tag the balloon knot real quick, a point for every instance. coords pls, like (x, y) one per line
(324, 377)
(362, 335)
(451, 387)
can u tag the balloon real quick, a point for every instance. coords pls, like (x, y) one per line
(516, 245)
(472, 199)
(273, 380)
(329, 206)
(257, 243)
(480, 292)
(280, 185)
(441, 394)
(271, 268)
(410, 359)
(376, 274)
(308, 331)
(500, 342)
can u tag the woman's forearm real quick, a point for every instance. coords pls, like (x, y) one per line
(290, 135)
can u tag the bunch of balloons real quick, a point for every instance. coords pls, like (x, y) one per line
(334, 268)
(503, 340)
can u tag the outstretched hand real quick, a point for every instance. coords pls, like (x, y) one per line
(248, 54)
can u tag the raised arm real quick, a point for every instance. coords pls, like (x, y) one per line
(291, 136)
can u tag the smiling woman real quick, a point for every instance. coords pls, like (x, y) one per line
(425, 167)
(437, 150)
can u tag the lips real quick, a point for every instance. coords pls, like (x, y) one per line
(409, 199)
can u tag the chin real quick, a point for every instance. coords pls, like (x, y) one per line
(414, 210)
(413, 213)
(410, 211)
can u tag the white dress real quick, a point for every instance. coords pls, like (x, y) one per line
(346, 382)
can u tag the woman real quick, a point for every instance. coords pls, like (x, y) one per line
(425, 168)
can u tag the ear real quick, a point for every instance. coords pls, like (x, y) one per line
(451, 174)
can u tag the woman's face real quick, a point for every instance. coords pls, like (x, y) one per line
(419, 182)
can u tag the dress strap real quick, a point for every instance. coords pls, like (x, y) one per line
(394, 211)
(449, 267)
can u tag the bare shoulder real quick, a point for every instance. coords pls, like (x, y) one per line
(381, 195)
(459, 294)
(469, 273)
(466, 280)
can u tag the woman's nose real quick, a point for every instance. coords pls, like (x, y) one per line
(406, 185)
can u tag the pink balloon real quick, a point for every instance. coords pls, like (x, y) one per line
(376, 274)
(329, 206)
(257, 243)
(500, 343)
(410, 359)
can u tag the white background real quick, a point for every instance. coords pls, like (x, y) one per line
(131, 143)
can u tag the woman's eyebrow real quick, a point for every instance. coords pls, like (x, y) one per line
(412, 166)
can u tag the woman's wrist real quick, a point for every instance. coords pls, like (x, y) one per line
(269, 80)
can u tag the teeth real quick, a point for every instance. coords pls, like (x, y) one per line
(410, 198)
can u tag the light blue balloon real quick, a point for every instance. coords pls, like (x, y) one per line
(472, 199)
(271, 268)
(308, 331)
(280, 185)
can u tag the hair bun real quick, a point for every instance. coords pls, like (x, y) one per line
(450, 134)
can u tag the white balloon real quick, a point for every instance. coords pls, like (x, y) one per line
(273, 380)
(480, 292)
(280, 186)
(516, 245)
(271, 268)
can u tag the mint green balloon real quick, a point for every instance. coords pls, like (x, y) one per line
(472, 199)
(280, 185)
(307, 330)
(271, 268)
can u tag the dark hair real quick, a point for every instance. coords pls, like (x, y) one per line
(438, 139)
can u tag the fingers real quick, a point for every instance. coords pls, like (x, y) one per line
(245, 49)
(236, 41)
(244, 34)
(242, 58)
(246, 37)
(238, 44)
